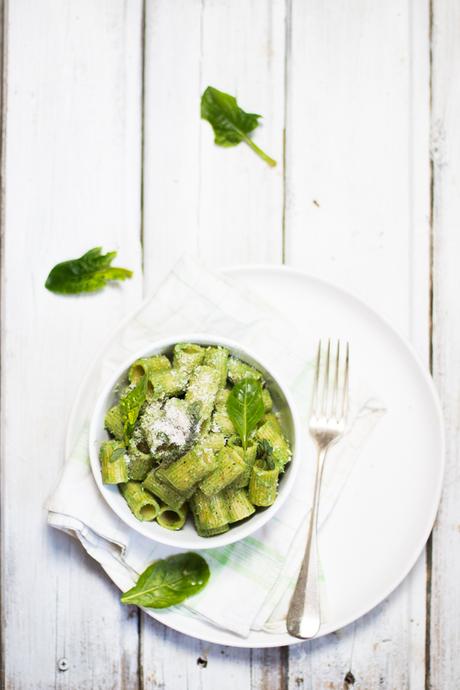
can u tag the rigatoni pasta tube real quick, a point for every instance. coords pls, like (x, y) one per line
(184, 473)
(221, 421)
(211, 532)
(271, 431)
(237, 504)
(230, 465)
(164, 491)
(172, 518)
(249, 457)
(267, 399)
(214, 441)
(238, 370)
(263, 485)
(202, 388)
(139, 463)
(209, 513)
(142, 504)
(187, 356)
(113, 422)
(165, 383)
(146, 365)
(217, 357)
(113, 462)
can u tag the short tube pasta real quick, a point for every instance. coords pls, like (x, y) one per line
(249, 457)
(209, 513)
(147, 365)
(165, 383)
(217, 357)
(184, 473)
(237, 504)
(239, 370)
(172, 518)
(271, 432)
(214, 441)
(114, 423)
(202, 388)
(187, 356)
(221, 421)
(163, 491)
(230, 465)
(142, 504)
(267, 399)
(139, 463)
(212, 532)
(263, 485)
(112, 455)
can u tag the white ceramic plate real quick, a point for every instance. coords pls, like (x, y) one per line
(384, 516)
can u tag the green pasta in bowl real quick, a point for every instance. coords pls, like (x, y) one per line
(193, 442)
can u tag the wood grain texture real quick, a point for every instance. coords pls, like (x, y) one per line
(357, 213)
(224, 205)
(444, 666)
(344, 91)
(72, 181)
(171, 660)
(357, 176)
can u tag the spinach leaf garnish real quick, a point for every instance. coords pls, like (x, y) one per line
(169, 581)
(130, 406)
(230, 123)
(245, 407)
(265, 454)
(117, 454)
(89, 273)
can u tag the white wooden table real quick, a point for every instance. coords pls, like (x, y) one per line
(103, 145)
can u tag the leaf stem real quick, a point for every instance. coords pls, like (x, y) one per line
(259, 151)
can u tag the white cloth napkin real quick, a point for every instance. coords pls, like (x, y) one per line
(251, 581)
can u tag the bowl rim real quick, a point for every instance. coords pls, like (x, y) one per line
(236, 533)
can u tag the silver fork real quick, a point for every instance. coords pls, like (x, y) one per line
(327, 424)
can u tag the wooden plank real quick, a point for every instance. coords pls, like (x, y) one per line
(222, 204)
(171, 660)
(357, 209)
(72, 181)
(171, 134)
(241, 199)
(444, 664)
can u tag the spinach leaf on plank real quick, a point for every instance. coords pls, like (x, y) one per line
(89, 273)
(230, 123)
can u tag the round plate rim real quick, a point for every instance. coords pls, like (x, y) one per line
(283, 639)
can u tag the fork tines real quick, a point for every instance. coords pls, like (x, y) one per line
(330, 391)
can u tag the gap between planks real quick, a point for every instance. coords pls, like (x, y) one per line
(3, 93)
(429, 544)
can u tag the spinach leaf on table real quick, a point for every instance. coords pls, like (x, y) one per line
(245, 407)
(169, 581)
(89, 273)
(230, 123)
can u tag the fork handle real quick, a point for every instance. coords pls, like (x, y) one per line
(304, 614)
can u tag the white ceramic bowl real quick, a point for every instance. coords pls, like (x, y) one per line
(187, 538)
